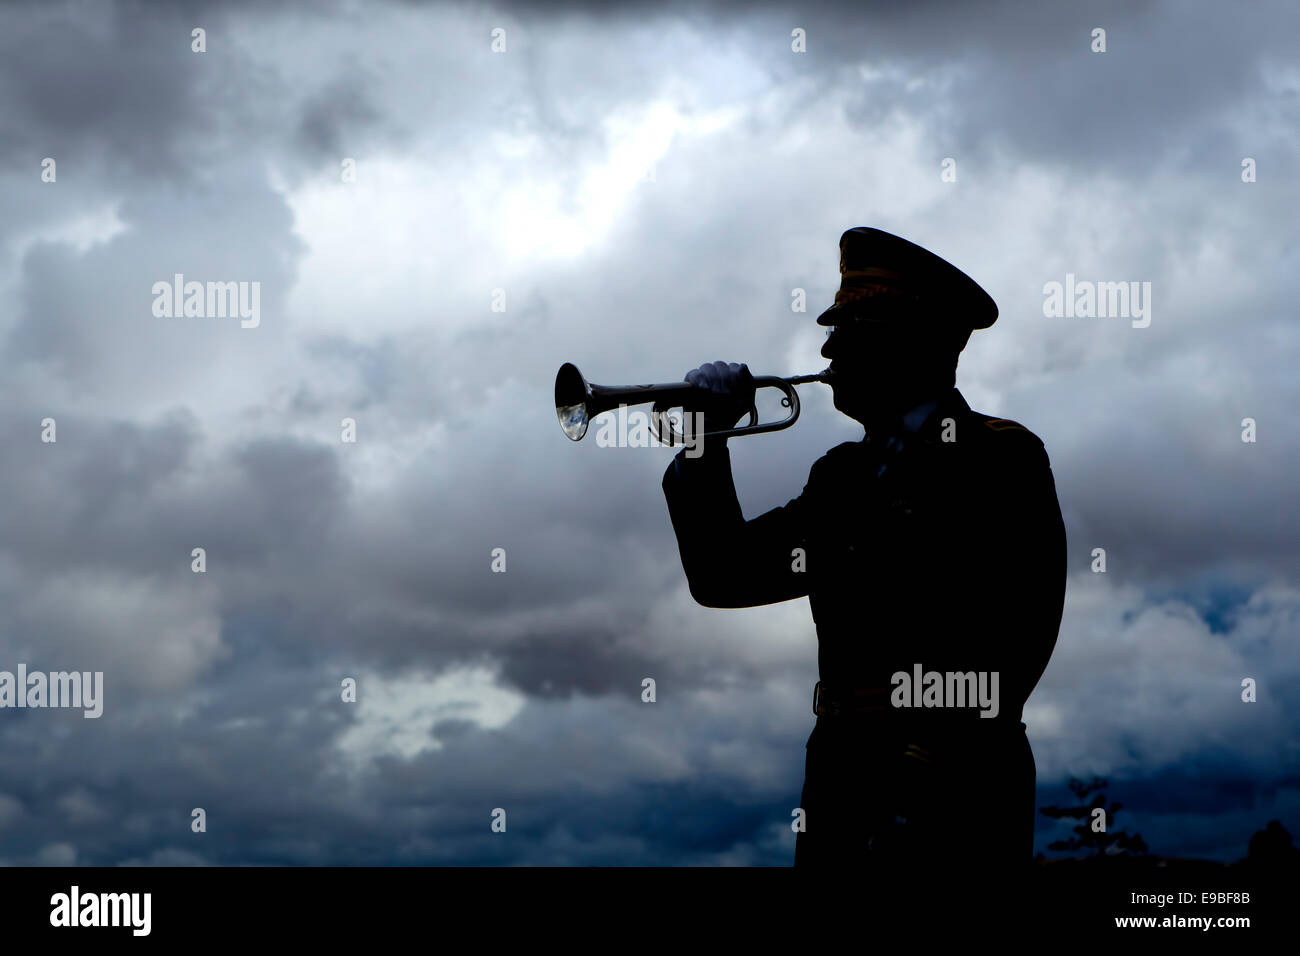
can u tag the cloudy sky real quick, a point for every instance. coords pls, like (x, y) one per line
(641, 191)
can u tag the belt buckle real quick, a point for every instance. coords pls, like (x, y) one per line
(822, 708)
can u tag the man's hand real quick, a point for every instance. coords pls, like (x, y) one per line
(730, 393)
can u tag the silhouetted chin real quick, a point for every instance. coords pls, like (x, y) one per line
(863, 404)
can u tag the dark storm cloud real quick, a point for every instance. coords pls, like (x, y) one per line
(132, 511)
(1006, 78)
(67, 95)
(550, 665)
(329, 115)
(274, 791)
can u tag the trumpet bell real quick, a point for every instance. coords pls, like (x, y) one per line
(571, 396)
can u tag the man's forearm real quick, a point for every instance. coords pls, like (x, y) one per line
(729, 562)
(704, 509)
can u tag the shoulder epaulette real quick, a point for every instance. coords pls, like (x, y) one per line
(1014, 431)
(1005, 424)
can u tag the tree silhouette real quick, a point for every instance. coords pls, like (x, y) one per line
(1271, 848)
(1108, 842)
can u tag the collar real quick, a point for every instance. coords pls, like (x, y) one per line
(924, 420)
(951, 405)
(915, 417)
(911, 421)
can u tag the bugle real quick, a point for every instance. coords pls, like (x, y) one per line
(578, 401)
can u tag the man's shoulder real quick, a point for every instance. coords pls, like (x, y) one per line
(994, 435)
(955, 424)
(837, 462)
(1004, 430)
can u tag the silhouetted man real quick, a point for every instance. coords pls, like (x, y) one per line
(932, 553)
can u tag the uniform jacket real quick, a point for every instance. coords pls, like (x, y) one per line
(953, 558)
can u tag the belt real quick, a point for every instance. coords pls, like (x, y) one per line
(828, 702)
(844, 701)
(840, 700)
(937, 728)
